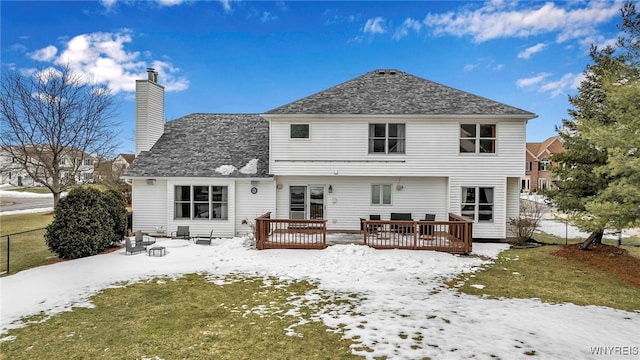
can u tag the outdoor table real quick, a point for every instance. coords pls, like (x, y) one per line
(158, 251)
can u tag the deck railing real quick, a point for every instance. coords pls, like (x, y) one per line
(453, 236)
(290, 233)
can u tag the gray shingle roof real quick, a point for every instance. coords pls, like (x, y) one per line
(208, 145)
(393, 92)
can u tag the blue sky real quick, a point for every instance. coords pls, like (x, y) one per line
(252, 56)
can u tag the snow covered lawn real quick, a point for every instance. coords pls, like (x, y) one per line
(405, 311)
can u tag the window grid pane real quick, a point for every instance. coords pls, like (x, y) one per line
(478, 138)
(219, 202)
(375, 194)
(299, 131)
(386, 194)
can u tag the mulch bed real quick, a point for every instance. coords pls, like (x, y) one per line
(611, 259)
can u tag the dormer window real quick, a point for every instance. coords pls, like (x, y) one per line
(387, 138)
(299, 131)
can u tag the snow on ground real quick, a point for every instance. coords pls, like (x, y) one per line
(23, 194)
(404, 311)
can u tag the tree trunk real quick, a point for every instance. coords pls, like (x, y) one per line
(56, 198)
(594, 238)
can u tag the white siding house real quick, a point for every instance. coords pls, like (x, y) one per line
(382, 143)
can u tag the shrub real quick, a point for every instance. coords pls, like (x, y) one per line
(117, 209)
(83, 225)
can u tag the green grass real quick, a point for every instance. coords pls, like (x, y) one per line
(29, 249)
(188, 318)
(36, 190)
(535, 273)
(552, 239)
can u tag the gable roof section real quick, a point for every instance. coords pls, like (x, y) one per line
(393, 92)
(208, 145)
(127, 157)
(537, 149)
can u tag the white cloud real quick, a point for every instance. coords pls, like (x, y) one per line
(470, 67)
(502, 20)
(526, 53)
(226, 5)
(44, 54)
(108, 3)
(408, 24)
(598, 40)
(567, 83)
(170, 2)
(374, 26)
(527, 82)
(102, 58)
(267, 16)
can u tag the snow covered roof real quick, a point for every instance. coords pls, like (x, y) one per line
(208, 145)
(393, 92)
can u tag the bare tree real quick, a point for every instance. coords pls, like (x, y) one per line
(51, 121)
(525, 225)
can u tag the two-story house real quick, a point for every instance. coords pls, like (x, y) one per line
(76, 166)
(384, 142)
(538, 174)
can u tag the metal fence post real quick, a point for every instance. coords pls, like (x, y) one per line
(8, 252)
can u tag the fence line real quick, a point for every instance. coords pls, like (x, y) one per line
(8, 252)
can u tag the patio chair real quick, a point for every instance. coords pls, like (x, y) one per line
(181, 233)
(402, 229)
(204, 240)
(131, 249)
(143, 240)
(427, 230)
(370, 227)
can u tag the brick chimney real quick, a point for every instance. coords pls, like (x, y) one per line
(149, 111)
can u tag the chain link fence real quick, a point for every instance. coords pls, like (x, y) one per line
(23, 250)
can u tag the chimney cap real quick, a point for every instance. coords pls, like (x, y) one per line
(152, 74)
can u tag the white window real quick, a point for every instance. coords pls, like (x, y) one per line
(478, 138)
(201, 202)
(544, 164)
(381, 194)
(477, 203)
(88, 162)
(387, 138)
(299, 131)
(543, 184)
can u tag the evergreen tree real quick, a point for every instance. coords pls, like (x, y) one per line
(594, 184)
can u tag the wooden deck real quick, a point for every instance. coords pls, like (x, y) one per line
(453, 236)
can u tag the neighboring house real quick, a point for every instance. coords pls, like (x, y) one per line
(384, 142)
(538, 175)
(72, 162)
(109, 171)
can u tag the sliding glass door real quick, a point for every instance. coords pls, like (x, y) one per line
(306, 202)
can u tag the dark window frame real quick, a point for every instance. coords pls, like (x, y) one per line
(391, 144)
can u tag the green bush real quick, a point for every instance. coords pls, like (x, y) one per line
(117, 208)
(86, 222)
